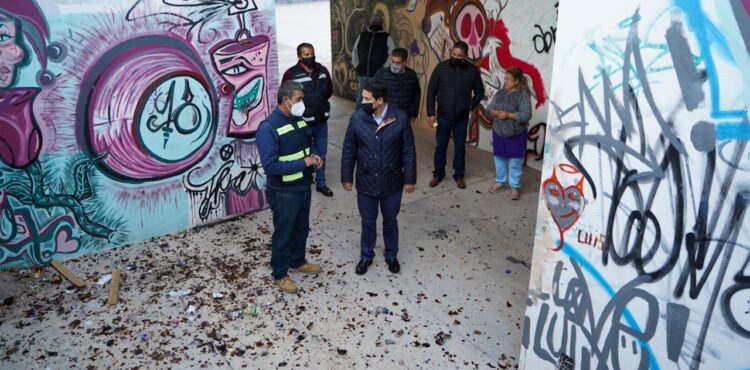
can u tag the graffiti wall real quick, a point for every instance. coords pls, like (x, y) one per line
(123, 120)
(500, 34)
(642, 248)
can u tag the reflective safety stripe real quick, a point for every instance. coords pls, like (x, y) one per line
(292, 177)
(285, 129)
(301, 124)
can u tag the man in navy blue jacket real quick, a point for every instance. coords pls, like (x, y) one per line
(285, 144)
(380, 142)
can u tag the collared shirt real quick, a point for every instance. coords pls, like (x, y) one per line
(379, 119)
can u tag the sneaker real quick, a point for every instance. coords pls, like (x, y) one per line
(362, 267)
(434, 182)
(325, 191)
(393, 265)
(515, 194)
(307, 268)
(497, 187)
(461, 183)
(286, 284)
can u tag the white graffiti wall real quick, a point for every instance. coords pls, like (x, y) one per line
(641, 257)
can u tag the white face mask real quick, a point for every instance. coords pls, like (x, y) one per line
(298, 109)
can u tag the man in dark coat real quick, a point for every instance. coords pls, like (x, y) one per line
(370, 53)
(402, 83)
(457, 85)
(380, 143)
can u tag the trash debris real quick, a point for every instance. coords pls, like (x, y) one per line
(174, 323)
(71, 289)
(57, 280)
(104, 279)
(191, 313)
(390, 342)
(441, 337)
(341, 351)
(8, 301)
(252, 309)
(508, 271)
(143, 337)
(217, 295)
(379, 310)
(131, 267)
(179, 293)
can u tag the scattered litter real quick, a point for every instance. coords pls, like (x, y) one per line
(71, 289)
(441, 337)
(8, 301)
(131, 267)
(174, 323)
(104, 279)
(508, 271)
(390, 342)
(191, 313)
(57, 280)
(252, 309)
(179, 293)
(341, 351)
(217, 295)
(379, 310)
(477, 332)
(143, 337)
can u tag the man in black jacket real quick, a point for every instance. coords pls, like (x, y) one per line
(370, 53)
(380, 142)
(402, 83)
(317, 86)
(457, 85)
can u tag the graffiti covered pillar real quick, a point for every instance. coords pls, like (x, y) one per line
(124, 120)
(641, 257)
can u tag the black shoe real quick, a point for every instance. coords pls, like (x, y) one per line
(325, 191)
(393, 265)
(362, 267)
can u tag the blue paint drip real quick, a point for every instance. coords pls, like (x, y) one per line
(733, 131)
(709, 35)
(570, 251)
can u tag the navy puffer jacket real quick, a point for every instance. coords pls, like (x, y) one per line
(385, 158)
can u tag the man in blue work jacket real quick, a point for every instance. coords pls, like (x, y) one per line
(380, 142)
(284, 141)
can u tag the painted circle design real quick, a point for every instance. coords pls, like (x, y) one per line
(175, 118)
(148, 109)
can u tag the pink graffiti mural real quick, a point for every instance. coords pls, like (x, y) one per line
(565, 204)
(242, 63)
(148, 108)
(20, 140)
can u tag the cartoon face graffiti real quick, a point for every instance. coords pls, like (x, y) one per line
(11, 51)
(470, 26)
(242, 63)
(564, 204)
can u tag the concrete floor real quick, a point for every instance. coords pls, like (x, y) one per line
(464, 255)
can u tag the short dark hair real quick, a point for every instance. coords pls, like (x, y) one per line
(302, 46)
(400, 53)
(377, 89)
(462, 45)
(287, 89)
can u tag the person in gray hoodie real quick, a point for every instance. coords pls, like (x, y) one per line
(511, 111)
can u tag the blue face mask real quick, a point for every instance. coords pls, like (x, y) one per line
(396, 68)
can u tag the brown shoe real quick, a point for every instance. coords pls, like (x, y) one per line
(307, 268)
(286, 284)
(515, 194)
(461, 183)
(434, 182)
(496, 188)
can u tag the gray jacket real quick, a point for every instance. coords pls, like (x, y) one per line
(514, 102)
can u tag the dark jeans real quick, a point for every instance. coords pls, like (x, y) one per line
(320, 143)
(389, 206)
(291, 224)
(458, 129)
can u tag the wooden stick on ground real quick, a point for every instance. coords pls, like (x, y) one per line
(57, 265)
(114, 287)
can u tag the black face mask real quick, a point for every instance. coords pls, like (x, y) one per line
(308, 61)
(368, 108)
(376, 28)
(454, 62)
